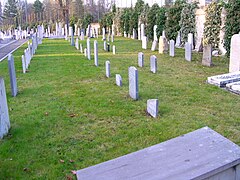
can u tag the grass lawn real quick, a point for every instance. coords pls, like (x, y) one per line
(68, 115)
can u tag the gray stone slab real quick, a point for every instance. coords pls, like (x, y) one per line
(105, 45)
(152, 107)
(72, 36)
(12, 74)
(81, 48)
(154, 45)
(23, 64)
(140, 59)
(234, 63)
(153, 64)
(107, 64)
(172, 48)
(96, 53)
(200, 154)
(85, 52)
(133, 82)
(144, 42)
(4, 116)
(114, 49)
(118, 80)
(188, 51)
(88, 49)
(223, 79)
(234, 87)
(207, 55)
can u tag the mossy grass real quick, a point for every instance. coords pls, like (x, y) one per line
(69, 116)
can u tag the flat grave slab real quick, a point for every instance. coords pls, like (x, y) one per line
(223, 79)
(233, 87)
(199, 154)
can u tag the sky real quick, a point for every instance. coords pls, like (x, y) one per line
(119, 3)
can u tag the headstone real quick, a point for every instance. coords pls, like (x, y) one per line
(188, 51)
(207, 55)
(72, 36)
(4, 116)
(114, 49)
(77, 44)
(153, 63)
(233, 87)
(178, 40)
(96, 53)
(161, 45)
(85, 52)
(105, 45)
(172, 48)
(125, 34)
(88, 49)
(155, 33)
(190, 39)
(234, 63)
(133, 82)
(23, 64)
(139, 33)
(107, 64)
(108, 47)
(165, 45)
(81, 48)
(12, 74)
(142, 31)
(154, 46)
(144, 42)
(152, 107)
(223, 79)
(118, 80)
(134, 34)
(140, 59)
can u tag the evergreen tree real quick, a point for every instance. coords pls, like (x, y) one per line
(152, 20)
(161, 20)
(38, 9)
(10, 11)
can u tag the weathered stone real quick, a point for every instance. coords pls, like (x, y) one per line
(88, 49)
(12, 74)
(4, 116)
(96, 53)
(72, 35)
(172, 48)
(153, 63)
(77, 44)
(223, 79)
(161, 45)
(114, 49)
(152, 107)
(118, 80)
(107, 64)
(234, 63)
(105, 45)
(142, 31)
(103, 34)
(191, 40)
(154, 45)
(81, 48)
(85, 52)
(178, 40)
(155, 33)
(188, 51)
(133, 82)
(140, 59)
(23, 64)
(144, 42)
(207, 55)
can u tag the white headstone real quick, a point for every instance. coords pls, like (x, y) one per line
(153, 63)
(144, 42)
(188, 51)
(190, 39)
(96, 53)
(207, 55)
(12, 74)
(172, 48)
(178, 40)
(81, 48)
(82, 36)
(107, 64)
(105, 45)
(114, 49)
(133, 82)
(161, 45)
(118, 80)
(152, 107)
(85, 52)
(88, 49)
(134, 34)
(77, 44)
(155, 33)
(142, 31)
(23, 64)
(4, 116)
(104, 33)
(154, 46)
(234, 63)
(140, 59)
(139, 33)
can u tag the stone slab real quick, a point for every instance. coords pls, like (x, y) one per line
(152, 107)
(118, 80)
(153, 64)
(88, 49)
(223, 79)
(172, 48)
(207, 55)
(234, 63)
(133, 82)
(200, 154)
(234, 87)
(140, 59)
(96, 53)
(188, 51)
(144, 42)
(107, 64)
(12, 74)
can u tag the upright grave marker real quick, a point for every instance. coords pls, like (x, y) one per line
(172, 48)
(114, 49)
(154, 46)
(77, 44)
(81, 48)
(4, 116)
(118, 80)
(107, 64)
(234, 63)
(140, 59)
(133, 82)
(88, 49)
(190, 40)
(188, 51)
(23, 64)
(144, 42)
(152, 107)
(12, 74)
(72, 36)
(207, 55)
(153, 63)
(96, 53)
(105, 45)
(161, 45)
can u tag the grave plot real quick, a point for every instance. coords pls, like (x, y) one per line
(234, 87)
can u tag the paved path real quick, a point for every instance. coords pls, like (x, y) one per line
(11, 47)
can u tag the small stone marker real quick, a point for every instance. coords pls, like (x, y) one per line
(152, 107)
(107, 69)
(190, 40)
(23, 64)
(155, 33)
(207, 55)
(12, 74)
(153, 63)
(4, 116)
(133, 82)
(144, 42)
(154, 45)
(96, 53)
(77, 44)
(105, 45)
(234, 63)
(140, 59)
(178, 40)
(114, 49)
(118, 80)
(172, 48)
(188, 51)
(85, 52)
(81, 48)
(161, 45)
(88, 49)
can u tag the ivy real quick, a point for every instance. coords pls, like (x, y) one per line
(232, 24)
(212, 25)
(188, 22)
